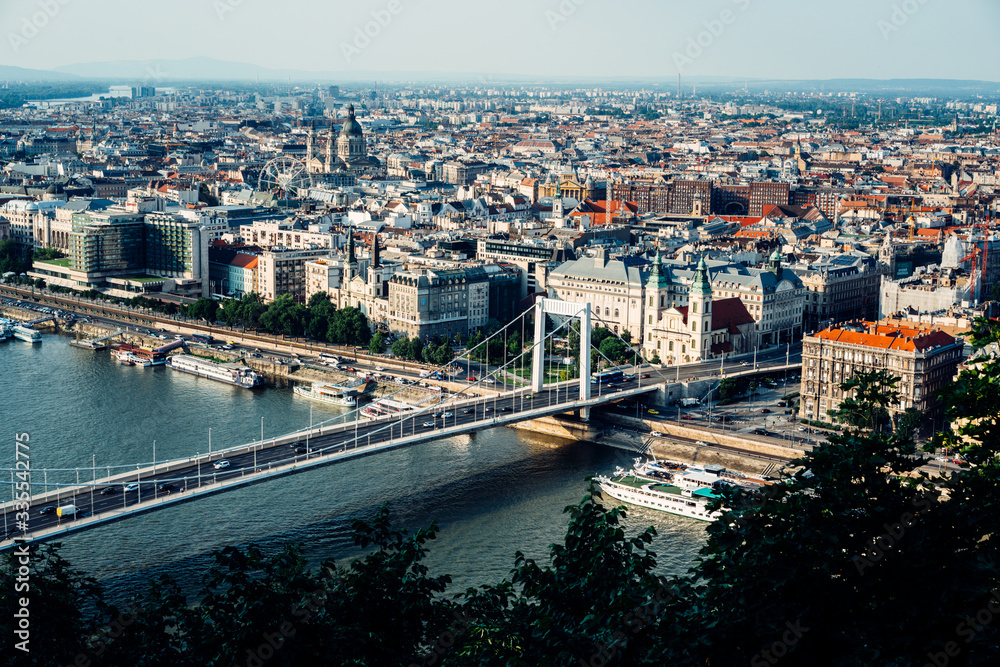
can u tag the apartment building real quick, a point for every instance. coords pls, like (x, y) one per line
(923, 358)
(525, 255)
(839, 289)
(282, 271)
(431, 302)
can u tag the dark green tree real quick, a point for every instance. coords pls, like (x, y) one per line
(377, 343)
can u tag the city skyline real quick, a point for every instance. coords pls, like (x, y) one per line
(572, 38)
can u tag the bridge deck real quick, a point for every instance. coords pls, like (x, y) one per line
(196, 477)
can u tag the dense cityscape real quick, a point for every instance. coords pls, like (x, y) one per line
(324, 341)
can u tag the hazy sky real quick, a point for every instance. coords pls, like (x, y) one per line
(741, 38)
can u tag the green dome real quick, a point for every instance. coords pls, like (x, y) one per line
(351, 127)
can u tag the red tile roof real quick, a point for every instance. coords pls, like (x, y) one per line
(726, 314)
(886, 337)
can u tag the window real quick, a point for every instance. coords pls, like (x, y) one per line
(694, 307)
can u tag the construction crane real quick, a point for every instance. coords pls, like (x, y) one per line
(973, 274)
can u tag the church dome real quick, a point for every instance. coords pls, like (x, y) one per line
(351, 127)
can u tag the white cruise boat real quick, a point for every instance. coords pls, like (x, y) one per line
(326, 393)
(5, 332)
(128, 358)
(677, 488)
(235, 375)
(27, 334)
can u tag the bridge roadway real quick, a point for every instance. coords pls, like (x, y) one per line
(197, 477)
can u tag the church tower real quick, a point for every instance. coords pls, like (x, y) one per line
(351, 142)
(700, 311)
(557, 203)
(330, 163)
(658, 297)
(310, 142)
(352, 262)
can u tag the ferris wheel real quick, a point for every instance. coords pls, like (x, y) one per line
(287, 175)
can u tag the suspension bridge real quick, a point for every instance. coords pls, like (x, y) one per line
(516, 390)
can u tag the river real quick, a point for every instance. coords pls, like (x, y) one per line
(492, 492)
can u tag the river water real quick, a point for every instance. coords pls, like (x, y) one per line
(492, 493)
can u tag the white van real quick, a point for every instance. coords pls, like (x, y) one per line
(67, 511)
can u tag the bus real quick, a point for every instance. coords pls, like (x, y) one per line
(202, 338)
(606, 377)
(329, 357)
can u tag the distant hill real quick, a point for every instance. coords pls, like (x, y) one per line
(156, 72)
(9, 73)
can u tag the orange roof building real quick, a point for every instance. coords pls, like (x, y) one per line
(923, 359)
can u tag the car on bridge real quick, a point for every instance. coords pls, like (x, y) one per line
(447, 415)
(51, 509)
(165, 487)
(468, 411)
(506, 409)
(428, 424)
(221, 464)
(109, 491)
(470, 379)
(645, 376)
(133, 486)
(301, 449)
